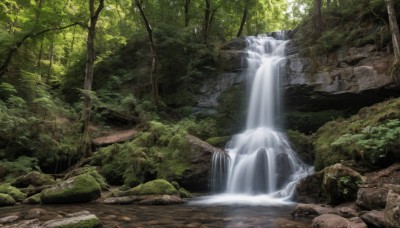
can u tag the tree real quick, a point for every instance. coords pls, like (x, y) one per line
(394, 28)
(153, 73)
(187, 15)
(244, 18)
(317, 18)
(87, 102)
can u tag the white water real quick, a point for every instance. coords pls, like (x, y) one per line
(262, 168)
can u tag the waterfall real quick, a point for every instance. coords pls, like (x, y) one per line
(261, 161)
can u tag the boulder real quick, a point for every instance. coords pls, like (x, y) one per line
(306, 210)
(392, 209)
(347, 210)
(12, 191)
(155, 187)
(374, 218)
(35, 199)
(33, 223)
(372, 198)
(232, 60)
(80, 219)
(340, 183)
(6, 200)
(82, 188)
(33, 178)
(309, 190)
(335, 221)
(122, 200)
(92, 171)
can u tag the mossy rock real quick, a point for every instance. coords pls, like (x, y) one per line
(185, 193)
(155, 187)
(82, 188)
(367, 140)
(340, 184)
(12, 191)
(301, 143)
(82, 219)
(33, 178)
(92, 171)
(35, 199)
(6, 200)
(219, 141)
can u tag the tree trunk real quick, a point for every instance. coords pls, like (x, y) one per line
(244, 18)
(51, 59)
(153, 74)
(207, 19)
(394, 28)
(317, 19)
(187, 15)
(87, 87)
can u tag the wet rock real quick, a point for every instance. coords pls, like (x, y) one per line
(284, 170)
(372, 198)
(309, 189)
(392, 209)
(313, 210)
(6, 200)
(34, 223)
(232, 60)
(122, 200)
(374, 218)
(35, 199)
(13, 192)
(82, 188)
(33, 178)
(124, 219)
(38, 213)
(161, 200)
(236, 44)
(154, 187)
(80, 219)
(347, 210)
(8, 219)
(335, 221)
(340, 183)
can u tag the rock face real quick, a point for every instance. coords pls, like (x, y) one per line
(82, 188)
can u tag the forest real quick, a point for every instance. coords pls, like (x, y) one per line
(149, 102)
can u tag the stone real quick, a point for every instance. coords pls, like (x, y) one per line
(13, 192)
(335, 221)
(81, 188)
(374, 218)
(232, 60)
(307, 210)
(340, 183)
(161, 200)
(6, 200)
(347, 210)
(154, 187)
(8, 219)
(122, 200)
(372, 198)
(33, 223)
(35, 199)
(392, 209)
(33, 178)
(309, 189)
(85, 220)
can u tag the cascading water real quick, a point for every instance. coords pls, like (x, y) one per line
(261, 166)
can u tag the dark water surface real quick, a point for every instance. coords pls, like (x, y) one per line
(184, 215)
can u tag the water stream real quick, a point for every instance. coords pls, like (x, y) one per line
(261, 168)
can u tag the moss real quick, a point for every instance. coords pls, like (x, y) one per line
(185, 193)
(155, 187)
(12, 191)
(360, 152)
(6, 200)
(35, 199)
(33, 178)
(301, 143)
(219, 141)
(92, 171)
(82, 188)
(89, 223)
(309, 122)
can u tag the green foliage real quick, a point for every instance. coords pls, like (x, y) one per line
(159, 151)
(369, 139)
(348, 187)
(203, 128)
(21, 166)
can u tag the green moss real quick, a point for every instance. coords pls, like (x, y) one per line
(33, 178)
(309, 122)
(12, 191)
(185, 193)
(155, 187)
(35, 199)
(219, 141)
(82, 188)
(21, 166)
(302, 145)
(92, 171)
(369, 139)
(89, 223)
(6, 200)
